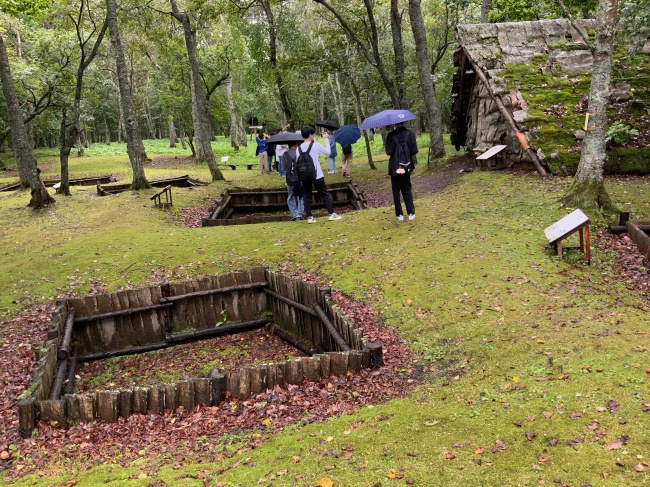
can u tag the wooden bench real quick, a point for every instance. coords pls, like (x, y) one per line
(573, 222)
(157, 198)
(250, 166)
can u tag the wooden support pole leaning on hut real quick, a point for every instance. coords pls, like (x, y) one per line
(330, 327)
(521, 137)
(64, 348)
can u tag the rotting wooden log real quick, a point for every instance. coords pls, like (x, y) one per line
(293, 303)
(325, 364)
(57, 385)
(71, 408)
(53, 411)
(171, 396)
(229, 289)
(259, 378)
(26, 416)
(186, 394)
(376, 355)
(293, 372)
(64, 348)
(218, 331)
(217, 386)
(121, 312)
(156, 400)
(124, 351)
(354, 361)
(521, 137)
(126, 403)
(108, 405)
(72, 371)
(333, 331)
(338, 363)
(202, 391)
(311, 368)
(290, 339)
(140, 400)
(86, 407)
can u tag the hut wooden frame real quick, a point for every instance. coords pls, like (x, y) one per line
(135, 321)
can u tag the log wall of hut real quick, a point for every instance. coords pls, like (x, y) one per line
(136, 321)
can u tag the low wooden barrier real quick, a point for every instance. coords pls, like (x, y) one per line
(178, 182)
(140, 320)
(157, 198)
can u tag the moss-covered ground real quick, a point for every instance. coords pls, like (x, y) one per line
(552, 355)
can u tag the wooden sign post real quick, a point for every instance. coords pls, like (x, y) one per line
(573, 222)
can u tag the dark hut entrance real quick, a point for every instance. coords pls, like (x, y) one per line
(141, 320)
(244, 206)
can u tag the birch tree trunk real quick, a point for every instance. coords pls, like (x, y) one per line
(202, 144)
(233, 115)
(133, 137)
(25, 160)
(434, 115)
(588, 189)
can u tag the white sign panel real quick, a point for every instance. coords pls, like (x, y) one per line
(567, 225)
(493, 151)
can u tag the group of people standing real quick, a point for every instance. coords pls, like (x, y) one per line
(401, 148)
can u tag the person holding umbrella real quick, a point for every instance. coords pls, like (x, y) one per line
(346, 136)
(331, 159)
(401, 145)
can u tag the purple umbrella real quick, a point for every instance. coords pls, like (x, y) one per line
(387, 117)
(347, 135)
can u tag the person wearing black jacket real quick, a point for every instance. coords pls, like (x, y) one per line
(401, 146)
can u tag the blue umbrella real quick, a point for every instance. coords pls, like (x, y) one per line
(387, 117)
(347, 135)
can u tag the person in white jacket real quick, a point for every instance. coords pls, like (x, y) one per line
(318, 182)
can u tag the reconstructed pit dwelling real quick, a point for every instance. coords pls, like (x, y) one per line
(240, 206)
(141, 320)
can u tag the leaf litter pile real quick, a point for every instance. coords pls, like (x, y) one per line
(173, 437)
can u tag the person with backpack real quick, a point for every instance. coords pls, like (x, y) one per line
(310, 173)
(346, 160)
(401, 146)
(295, 200)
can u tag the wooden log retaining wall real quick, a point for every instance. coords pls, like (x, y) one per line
(640, 238)
(151, 317)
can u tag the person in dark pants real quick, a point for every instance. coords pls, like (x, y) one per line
(401, 146)
(318, 181)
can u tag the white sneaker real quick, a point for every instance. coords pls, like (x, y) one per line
(400, 218)
(412, 216)
(334, 216)
(311, 219)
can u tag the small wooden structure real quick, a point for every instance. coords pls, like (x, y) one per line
(492, 158)
(141, 320)
(178, 182)
(576, 221)
(240, 206)
(157, 198)
(89, 181)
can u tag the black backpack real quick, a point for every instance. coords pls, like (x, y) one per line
(403, 158)
(347, 149)
(305, 165)
(289, 166)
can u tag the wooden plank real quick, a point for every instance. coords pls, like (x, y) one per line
(144, 299)
(201, 322)
(71, 409)
(566, 226)
(108, 405)
(157, 316)
(126, 403)
(209, 313)
(156, 403)
(137, 319)
(217, 386)
(229, 303)
(86, 404)
(53, 411)
(258, 274)
(202, 391)
(140, 400)
(106, 326)
(171, 396)
(179, 311)
(186, 394)
(493, 151)
(127, 325)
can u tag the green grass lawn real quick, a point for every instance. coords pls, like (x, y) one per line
(540, 345)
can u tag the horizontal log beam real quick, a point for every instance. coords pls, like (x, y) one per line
(291, 302)
(290, 339)
(217, 331)
(229, 289)
(122, 312)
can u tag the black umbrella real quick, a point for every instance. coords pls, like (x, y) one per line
(285, 138)
(327, 124)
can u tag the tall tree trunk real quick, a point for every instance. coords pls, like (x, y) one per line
(199, 108)
(588, 189)
(434, 115)
(357, 104)
(398, 51)
(133, 137)
(107, 133)
(182, 136)
(172, 132)
(485, 11)
(273, 59)
(25, 160)
(234, 140)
